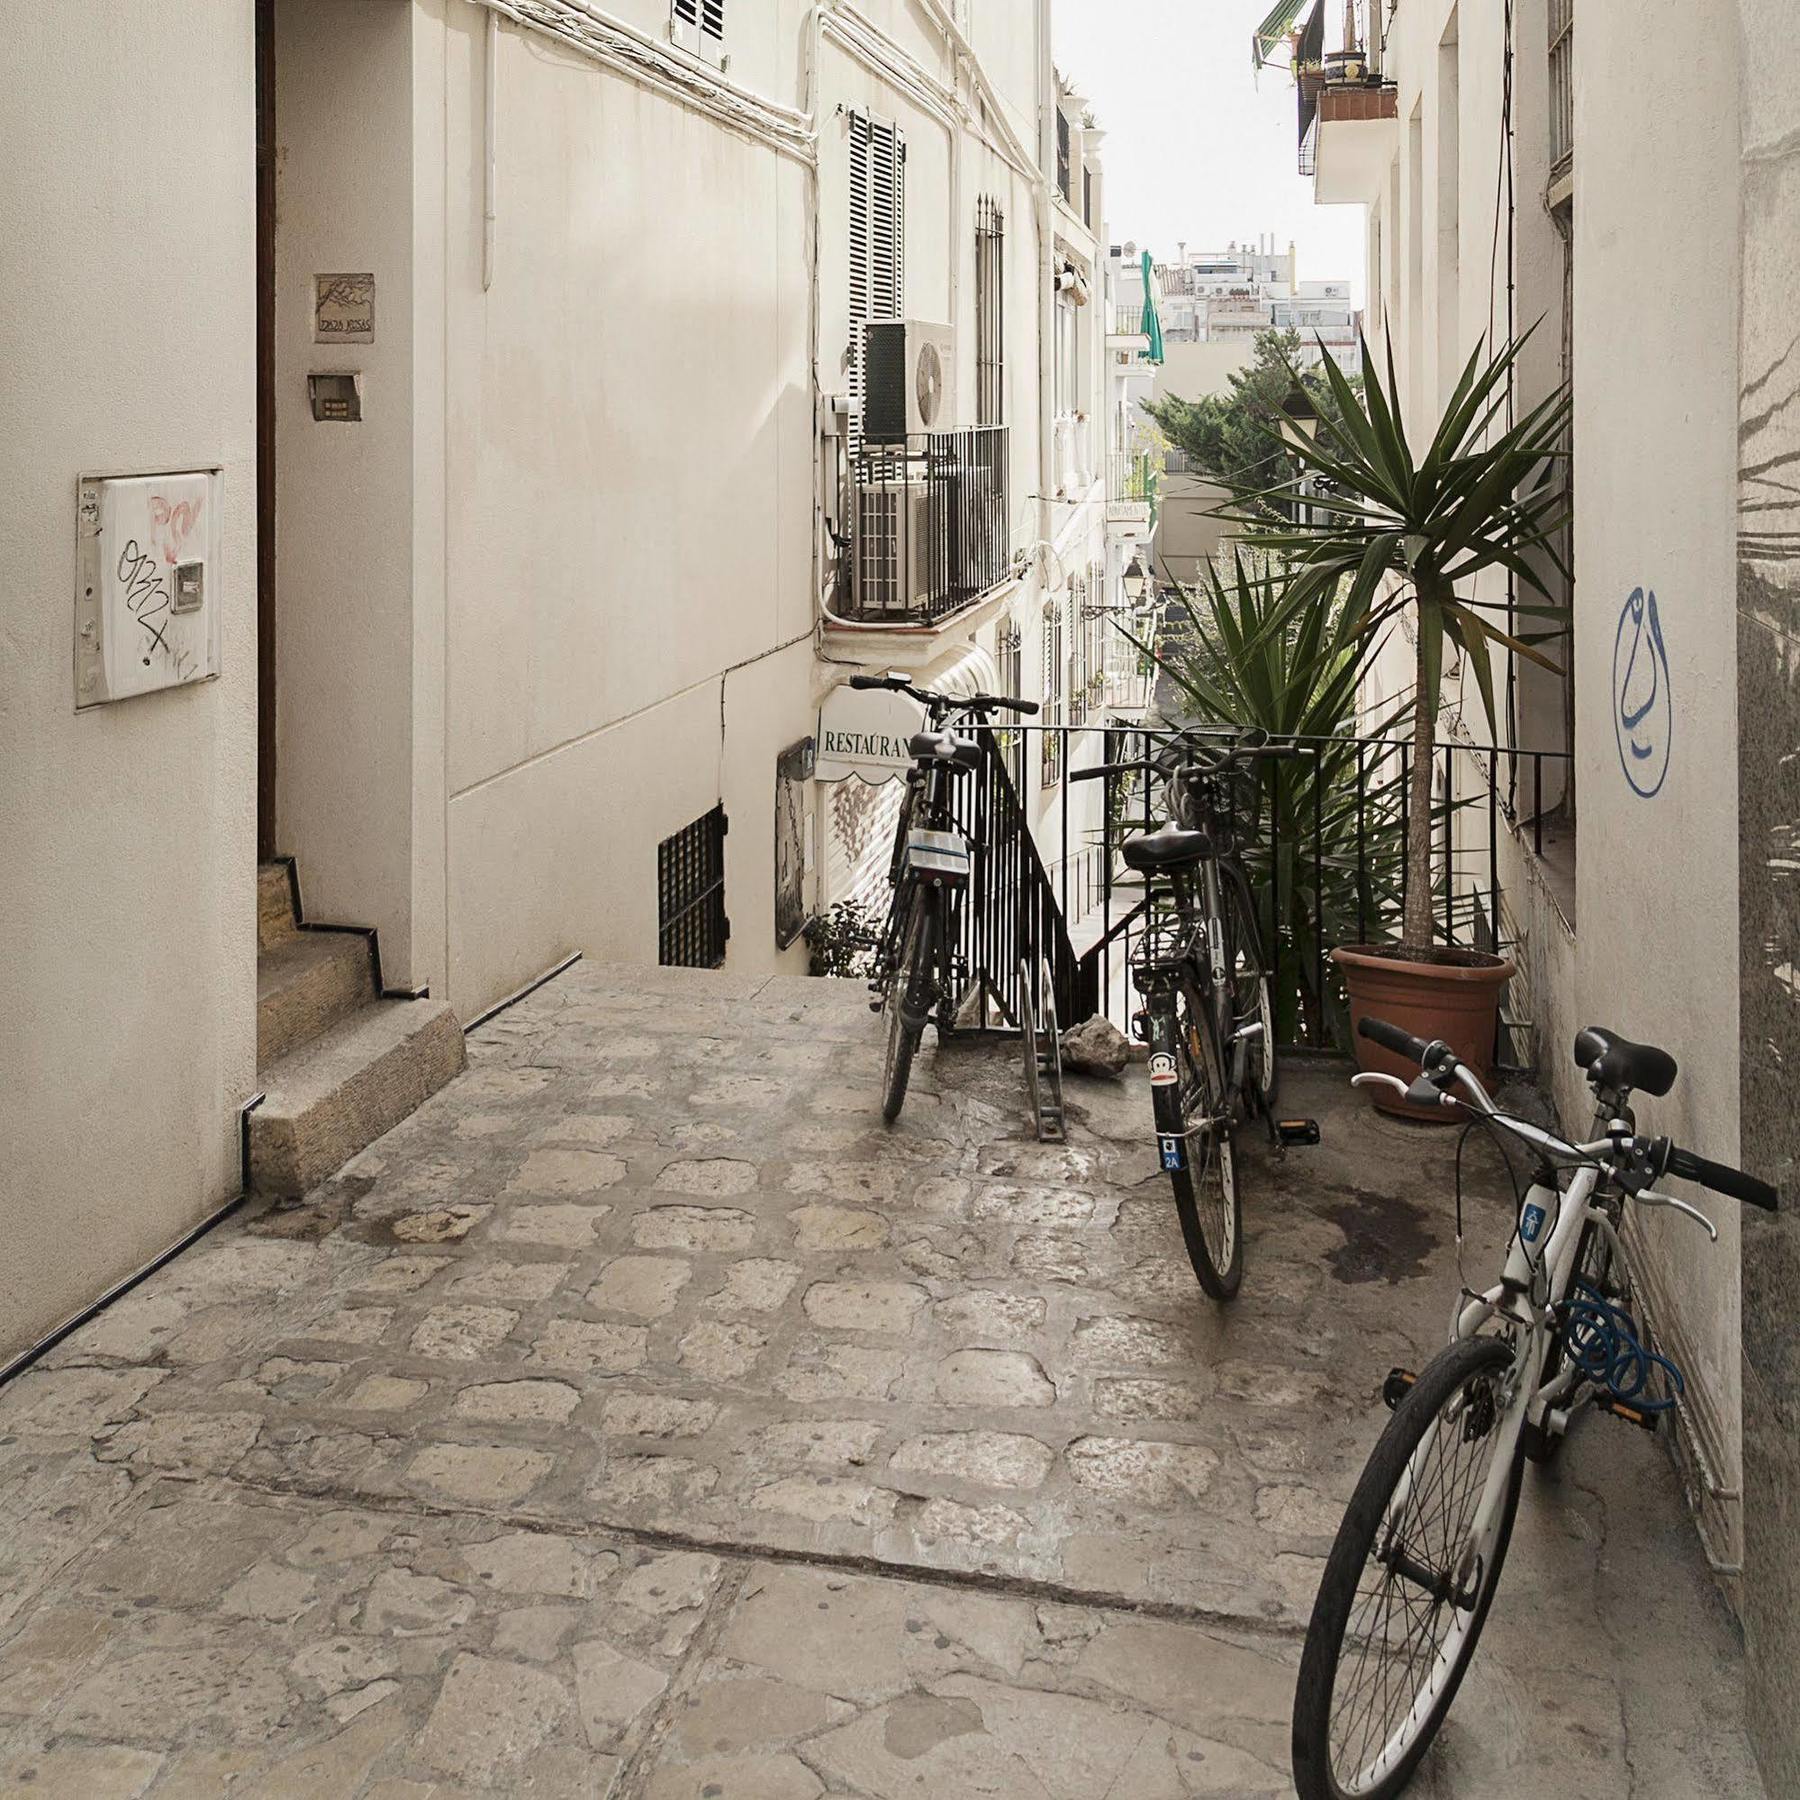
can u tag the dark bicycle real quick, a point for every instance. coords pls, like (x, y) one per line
(1207, 1013)
(914, 974)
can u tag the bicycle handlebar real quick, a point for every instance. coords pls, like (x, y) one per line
(1391, 1037)
(901, 684)
(1720, 1177)
(1440, 1061)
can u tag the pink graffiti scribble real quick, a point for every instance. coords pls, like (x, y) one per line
(170, 525)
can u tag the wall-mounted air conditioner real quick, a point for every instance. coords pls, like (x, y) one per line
(898, 533)
(909, 379)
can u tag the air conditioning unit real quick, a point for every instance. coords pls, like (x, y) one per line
(909, 379)
(898, 528)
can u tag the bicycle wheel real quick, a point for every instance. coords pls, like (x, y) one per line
(1410, 1578)
(1252, 1001)
(1194, 1139)
(908, 1002)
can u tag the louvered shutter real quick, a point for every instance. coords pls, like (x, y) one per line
(877, 241)
(700, 26)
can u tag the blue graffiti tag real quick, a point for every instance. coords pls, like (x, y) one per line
(1643, 705)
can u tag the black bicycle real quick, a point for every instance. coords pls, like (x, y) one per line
(915, 967)
(1207, 1014)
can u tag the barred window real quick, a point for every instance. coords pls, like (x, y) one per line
(692, 929)
(1010, 652)
(990, 314)
(1051, 771)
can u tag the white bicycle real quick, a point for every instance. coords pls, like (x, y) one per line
(1417, 1558)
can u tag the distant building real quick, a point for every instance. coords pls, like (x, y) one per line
(1228, 296)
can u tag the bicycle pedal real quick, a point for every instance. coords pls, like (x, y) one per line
(1398, 1385)
(1297, 1132)
(1632, 1415)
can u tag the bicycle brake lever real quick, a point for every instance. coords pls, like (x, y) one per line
(1371, 1077)
(1646, 1198)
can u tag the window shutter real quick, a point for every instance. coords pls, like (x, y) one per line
(877, 241)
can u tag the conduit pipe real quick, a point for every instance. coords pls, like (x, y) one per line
(633, 53)
(490, 203)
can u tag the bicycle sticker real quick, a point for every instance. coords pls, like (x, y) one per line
(1172, 1155)
(1531, 1222)
(1162, 1069)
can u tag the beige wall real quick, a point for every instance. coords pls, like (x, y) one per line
(344, 550)
(127, 343)
(1653, 952)
(1656, 483)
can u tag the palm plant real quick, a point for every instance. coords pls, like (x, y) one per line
(1403, 536)
(1236, 652)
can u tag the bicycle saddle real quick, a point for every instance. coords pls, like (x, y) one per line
(1611, 1061)
(1167, 848)
(944, 746)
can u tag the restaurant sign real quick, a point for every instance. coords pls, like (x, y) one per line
(864, 731)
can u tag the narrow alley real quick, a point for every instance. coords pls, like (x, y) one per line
(640, 1419)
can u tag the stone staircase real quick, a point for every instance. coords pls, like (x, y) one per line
(338, 1064)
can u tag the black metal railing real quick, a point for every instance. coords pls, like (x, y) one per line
(1323, 836)
(1014, 930)
(929, 526)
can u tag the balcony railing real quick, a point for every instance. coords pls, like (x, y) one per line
(1342, 85)
(1562, 88)
(929, 526)
(1128, 321)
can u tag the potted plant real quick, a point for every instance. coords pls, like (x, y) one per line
(1403, 537)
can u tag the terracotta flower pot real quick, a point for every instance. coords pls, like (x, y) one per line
(1449, 994)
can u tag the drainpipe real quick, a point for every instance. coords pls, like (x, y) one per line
(490, 203)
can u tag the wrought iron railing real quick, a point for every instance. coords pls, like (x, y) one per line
(929, 526)
(1562, 85)
(1324, 841)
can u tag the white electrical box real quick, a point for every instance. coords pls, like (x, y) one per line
(147, 583)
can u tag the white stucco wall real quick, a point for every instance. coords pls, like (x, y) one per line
(1656, 483)
(127, 343)
(1654, 951)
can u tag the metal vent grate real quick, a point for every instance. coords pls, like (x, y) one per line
(692, 929)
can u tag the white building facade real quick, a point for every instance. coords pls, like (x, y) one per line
(505, 348)
(1554, 177)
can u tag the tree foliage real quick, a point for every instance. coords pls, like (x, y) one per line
(1235, 437)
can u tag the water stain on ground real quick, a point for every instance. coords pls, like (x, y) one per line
(1385, 1238)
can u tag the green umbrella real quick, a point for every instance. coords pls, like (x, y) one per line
(1152, 324)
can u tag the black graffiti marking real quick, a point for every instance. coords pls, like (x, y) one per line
(144, 583)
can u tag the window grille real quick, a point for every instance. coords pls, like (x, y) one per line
(692, 929)
(877, 241)
(1051, 772)
(1077, 638)
(1562, 89)
(1010, 652)
(990, 314)
(1063, 153)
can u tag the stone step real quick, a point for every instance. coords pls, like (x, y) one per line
(306, 981)
(274, 904)
(332, 1097)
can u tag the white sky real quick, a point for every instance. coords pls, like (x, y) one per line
(1198, 147)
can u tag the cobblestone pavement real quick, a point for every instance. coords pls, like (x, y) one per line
(641, 1418)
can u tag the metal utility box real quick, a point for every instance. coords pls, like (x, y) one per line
(147, 583)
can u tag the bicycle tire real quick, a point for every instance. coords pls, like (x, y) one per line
(1251, 995)
(1185, 1031)
(908, 1003)
(1467, 1372)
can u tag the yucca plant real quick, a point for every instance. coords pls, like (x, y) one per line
(1400, 535)
(1327, 854)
